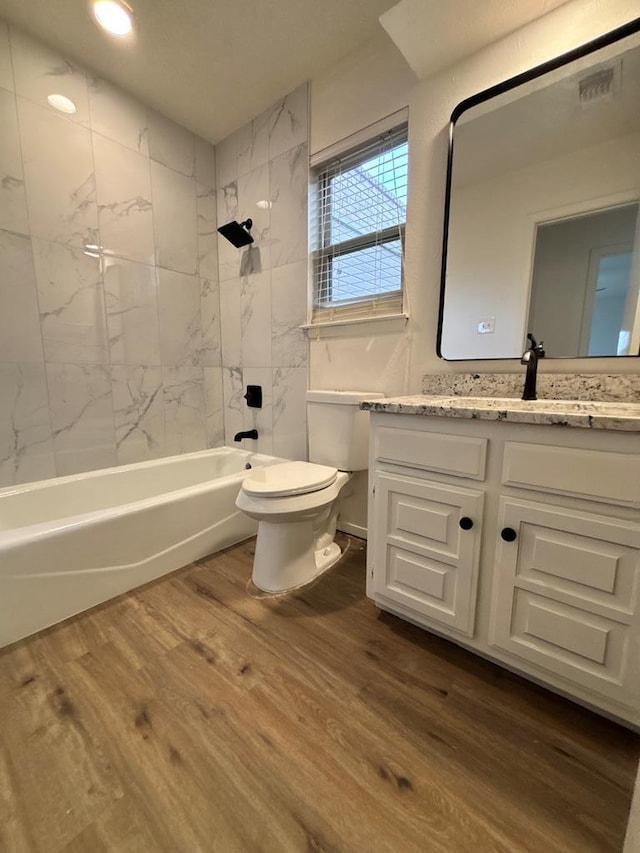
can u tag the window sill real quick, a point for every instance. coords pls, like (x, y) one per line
(390, 322)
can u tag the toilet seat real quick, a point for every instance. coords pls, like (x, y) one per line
(288, 478)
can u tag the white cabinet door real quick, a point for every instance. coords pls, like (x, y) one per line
(566, 595)
(423, 557)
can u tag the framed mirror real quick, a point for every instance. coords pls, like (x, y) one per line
(542, 222)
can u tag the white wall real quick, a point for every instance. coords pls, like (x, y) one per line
(367, 85)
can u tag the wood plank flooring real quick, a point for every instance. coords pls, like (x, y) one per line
(190, 716)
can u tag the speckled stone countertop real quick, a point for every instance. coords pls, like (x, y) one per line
(584, 410)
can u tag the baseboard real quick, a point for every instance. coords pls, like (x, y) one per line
(352, 529)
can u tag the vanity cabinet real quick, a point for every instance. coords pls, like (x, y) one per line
(521, 542)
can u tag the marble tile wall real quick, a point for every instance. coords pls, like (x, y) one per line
(110, 354)
(262, 174)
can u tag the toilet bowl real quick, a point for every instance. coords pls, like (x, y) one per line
(296, 504)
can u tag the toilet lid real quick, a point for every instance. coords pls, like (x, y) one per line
(288, 478)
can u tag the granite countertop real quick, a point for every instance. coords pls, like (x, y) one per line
(591, 414)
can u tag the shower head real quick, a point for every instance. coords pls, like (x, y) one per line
(237, 232)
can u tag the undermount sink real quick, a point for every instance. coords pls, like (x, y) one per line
(563, 407)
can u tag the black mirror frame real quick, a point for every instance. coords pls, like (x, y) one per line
(629, 29)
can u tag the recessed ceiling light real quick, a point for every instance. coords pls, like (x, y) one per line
(62, 104)
(113, 16)
(263, 204)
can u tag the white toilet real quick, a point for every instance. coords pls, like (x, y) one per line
(296, 504)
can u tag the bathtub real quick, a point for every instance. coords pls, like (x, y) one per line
(72, 542)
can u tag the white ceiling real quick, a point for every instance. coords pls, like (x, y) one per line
(210, 65)
(434, 35)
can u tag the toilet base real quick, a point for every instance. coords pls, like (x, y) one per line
(286, 555)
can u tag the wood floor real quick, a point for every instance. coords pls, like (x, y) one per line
(189, 716)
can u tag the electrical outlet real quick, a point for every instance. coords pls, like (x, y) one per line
(486, 326)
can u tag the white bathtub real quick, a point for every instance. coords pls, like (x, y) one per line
(72, 542)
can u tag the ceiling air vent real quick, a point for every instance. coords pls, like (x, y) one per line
(595, 86)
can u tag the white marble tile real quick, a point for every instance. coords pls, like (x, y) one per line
(251, 258)
(255, 320)
(26, 448)
(260, 419)
(19, 321)
(13, 198)
(184, 409)
(227, 160)
(131, 297)
(288, 122)
(124, 201)
(59, 179)
(254, 203)
(230, 322)
(205, 163)
(6, 71)
(243, 148)
(234, 404)
(138, 412)
(259, 151)
(210, 318)
(81, 417)
(40, 71)
(71, 300)
(289, 287)
(171, 144)
(214, 404)
(180, 323)
(227, 211)
(174, 219)
(206, 204)
(118, 116)
(289, 186)
(289, 412)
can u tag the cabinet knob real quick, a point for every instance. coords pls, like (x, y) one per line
(508, 534)
(466, 523)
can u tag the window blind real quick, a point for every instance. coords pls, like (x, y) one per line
(359, 212)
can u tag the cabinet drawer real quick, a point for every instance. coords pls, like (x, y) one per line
(592, 474)
(461, 456)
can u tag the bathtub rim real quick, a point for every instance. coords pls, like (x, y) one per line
(57, 526)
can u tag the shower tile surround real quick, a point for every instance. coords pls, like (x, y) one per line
(262, 174)
(118, 359)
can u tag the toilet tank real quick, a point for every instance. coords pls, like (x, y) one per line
(338, 429)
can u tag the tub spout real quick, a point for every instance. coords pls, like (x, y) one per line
(250, 433)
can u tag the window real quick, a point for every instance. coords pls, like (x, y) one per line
(360, 213)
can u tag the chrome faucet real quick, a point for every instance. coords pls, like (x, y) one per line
(530, 357)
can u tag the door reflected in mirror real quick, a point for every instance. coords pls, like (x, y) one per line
(583, 300)
(543, 230)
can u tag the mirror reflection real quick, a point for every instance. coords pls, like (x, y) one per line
(543, 229)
